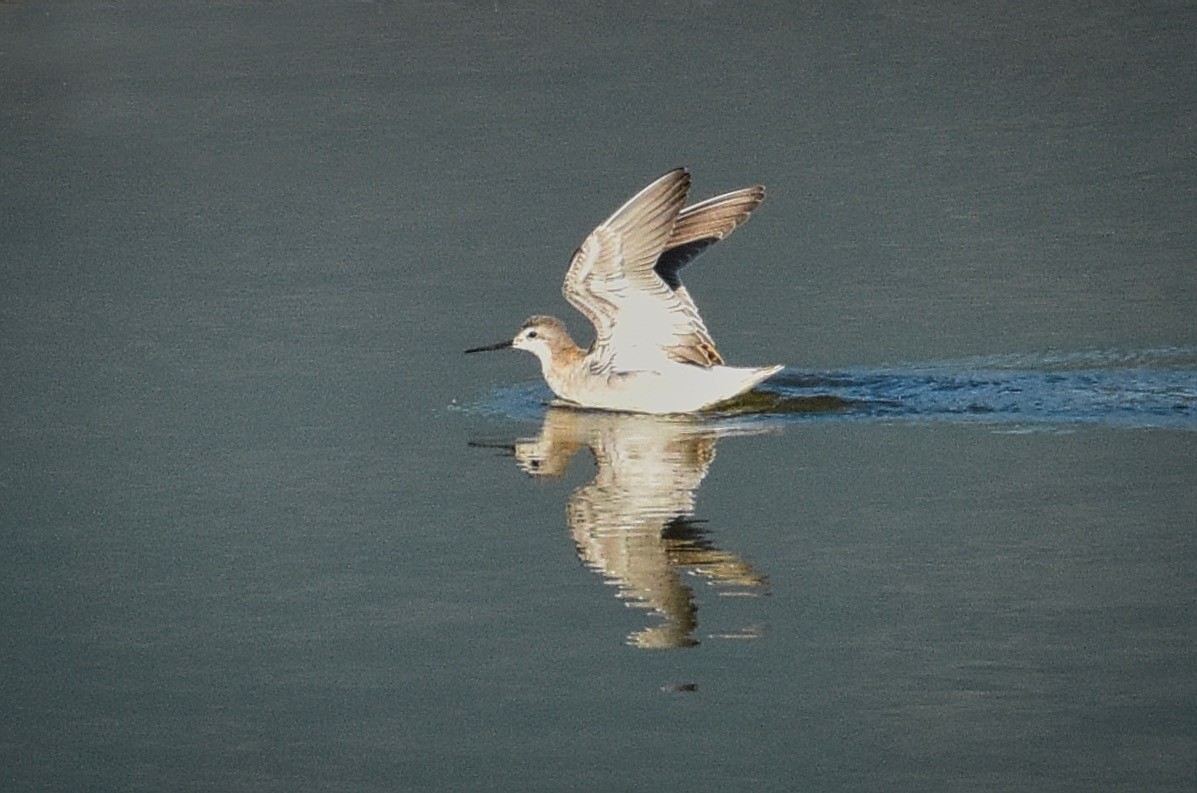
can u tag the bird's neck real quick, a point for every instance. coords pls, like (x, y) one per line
(561, 365)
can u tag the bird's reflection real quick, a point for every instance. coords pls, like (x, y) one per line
(634, 522)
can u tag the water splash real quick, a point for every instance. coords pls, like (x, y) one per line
(1131, 389)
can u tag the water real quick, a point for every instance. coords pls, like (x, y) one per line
(1148, 388)
(263, 527)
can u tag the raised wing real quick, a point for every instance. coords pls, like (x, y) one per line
(698, 227)
(624, 278)
(638, 320)
(701, 225)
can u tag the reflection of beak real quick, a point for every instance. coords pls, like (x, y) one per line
(505, 449)
(503, 345)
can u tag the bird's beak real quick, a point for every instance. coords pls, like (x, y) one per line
(503, 345)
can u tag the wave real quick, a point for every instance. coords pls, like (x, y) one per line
(1131, 389)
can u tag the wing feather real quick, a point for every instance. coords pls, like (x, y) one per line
(716, 217)
(623, 278)
(698, 227)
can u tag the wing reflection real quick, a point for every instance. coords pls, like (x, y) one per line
(634, 522)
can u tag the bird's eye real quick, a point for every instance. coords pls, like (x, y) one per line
(531, 334)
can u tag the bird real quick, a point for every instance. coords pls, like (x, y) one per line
(651, 352)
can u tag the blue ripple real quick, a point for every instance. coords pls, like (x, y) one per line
(1153, 388)
(1132, 389)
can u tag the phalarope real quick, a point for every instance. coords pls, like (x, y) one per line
(651, 351)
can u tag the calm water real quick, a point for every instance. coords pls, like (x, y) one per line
(263, 527)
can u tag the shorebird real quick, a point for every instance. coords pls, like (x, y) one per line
(651, 351)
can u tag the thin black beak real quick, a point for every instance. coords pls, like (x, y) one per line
(503, 345)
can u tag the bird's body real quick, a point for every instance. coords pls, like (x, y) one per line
(651, 353)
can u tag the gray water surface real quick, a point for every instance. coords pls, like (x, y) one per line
(264, 528)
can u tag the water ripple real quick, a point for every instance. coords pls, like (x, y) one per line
(1132, 389)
